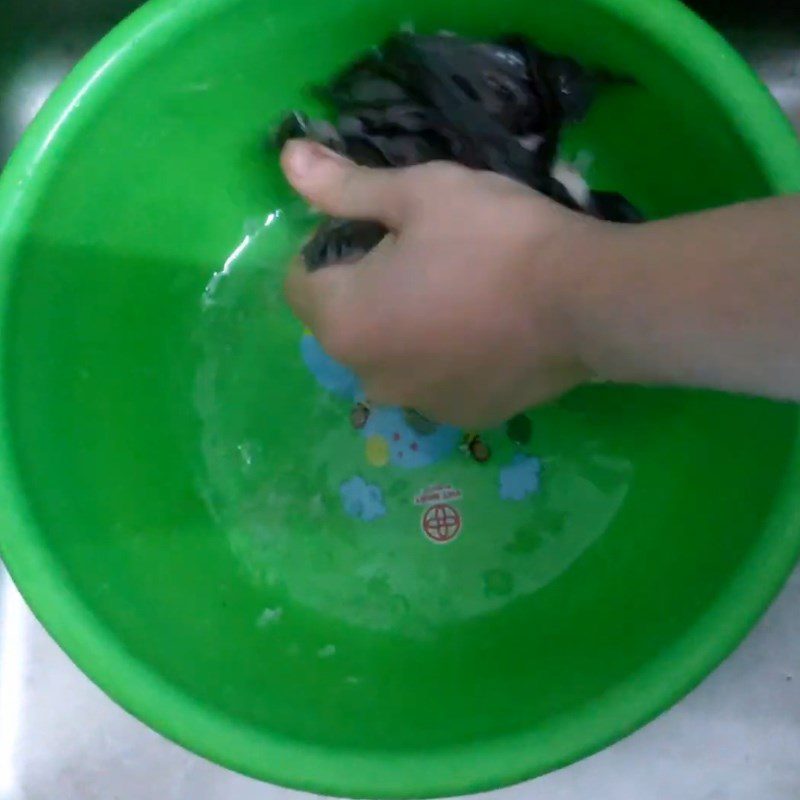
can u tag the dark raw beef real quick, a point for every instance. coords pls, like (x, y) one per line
(498, 105)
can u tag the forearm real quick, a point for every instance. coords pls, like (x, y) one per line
(709, 300)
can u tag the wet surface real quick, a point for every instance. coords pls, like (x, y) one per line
(734, 738)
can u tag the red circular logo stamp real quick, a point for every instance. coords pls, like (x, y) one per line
(441, 523)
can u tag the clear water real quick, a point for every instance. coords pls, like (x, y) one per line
(282, 509)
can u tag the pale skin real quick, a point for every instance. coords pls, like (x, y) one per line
(487, 298)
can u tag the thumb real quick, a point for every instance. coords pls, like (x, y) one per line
(339, 187)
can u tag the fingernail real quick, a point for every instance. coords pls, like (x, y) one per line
(302, 157)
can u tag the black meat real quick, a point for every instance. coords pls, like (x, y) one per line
(498, 105)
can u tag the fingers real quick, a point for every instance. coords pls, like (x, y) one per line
(300, 293)
(340, 188)
(318, 298)
(340, 301)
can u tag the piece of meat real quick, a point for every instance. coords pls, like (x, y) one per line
(338, 241)
(612, 206)
(499, 106)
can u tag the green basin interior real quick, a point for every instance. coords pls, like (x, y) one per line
(171, 469)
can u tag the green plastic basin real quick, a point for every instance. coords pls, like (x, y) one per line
(188, 510)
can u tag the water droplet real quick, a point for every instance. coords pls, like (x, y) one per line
(269, 616)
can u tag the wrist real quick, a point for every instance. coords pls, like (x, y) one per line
(589, 260)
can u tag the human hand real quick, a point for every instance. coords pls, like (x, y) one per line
(462, 311)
